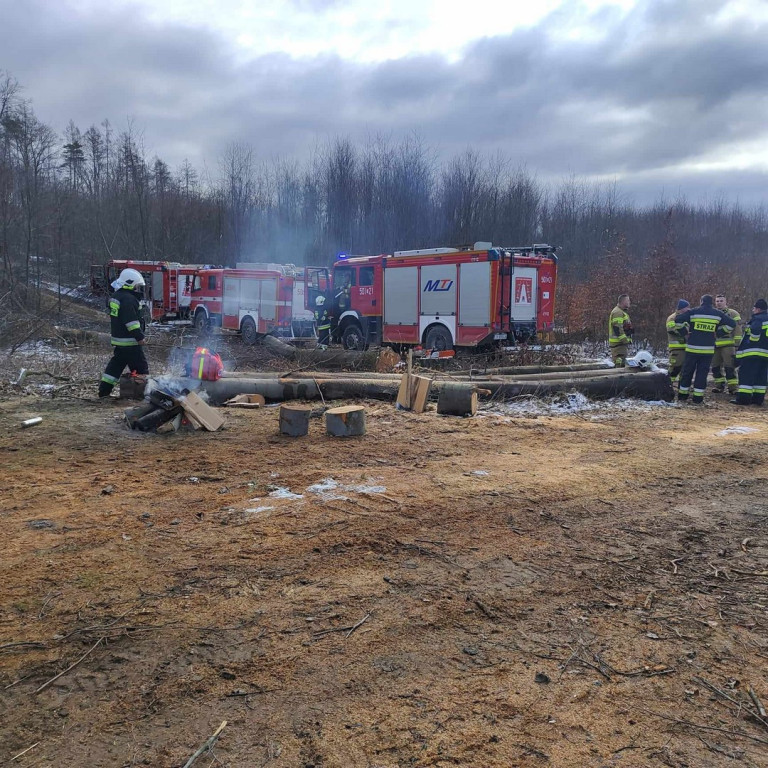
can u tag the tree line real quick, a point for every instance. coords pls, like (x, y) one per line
(82, 197)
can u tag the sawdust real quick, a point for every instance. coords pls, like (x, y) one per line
(618, 558)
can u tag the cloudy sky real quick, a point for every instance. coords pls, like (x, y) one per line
(663, 96)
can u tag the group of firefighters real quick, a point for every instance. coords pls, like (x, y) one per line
(711, 335)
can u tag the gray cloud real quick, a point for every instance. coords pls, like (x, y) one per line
(664, 86)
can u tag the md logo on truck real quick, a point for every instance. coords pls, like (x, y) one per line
(438, 285)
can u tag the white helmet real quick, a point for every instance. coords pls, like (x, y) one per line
(643, 359)
(130, 279)
(319, 301)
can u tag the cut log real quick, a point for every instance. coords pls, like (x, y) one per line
(155, 418)
(413, 397)
(457, 399)
(294, 420)
(420, 393)
(347, 421)
(132, 414)
(170, 426)
(386, 360)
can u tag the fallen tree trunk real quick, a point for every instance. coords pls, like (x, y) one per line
(524, 370)
(331, 358)
(458, 377)
(646, 386)
(653, 385)
(81, 337)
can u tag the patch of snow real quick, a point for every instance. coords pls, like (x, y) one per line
(479, 472)
(81, 292)
(328, 487)
(285, 493)
(574, 403)
(737, 431)
(256, 510)
(366, 488)
(40, 350)
(324, 486)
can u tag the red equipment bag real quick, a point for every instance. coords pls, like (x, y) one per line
(205, 365)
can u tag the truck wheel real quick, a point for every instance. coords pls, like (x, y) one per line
(352, 337)
(248, 331)
(201, 321)
(438, 338)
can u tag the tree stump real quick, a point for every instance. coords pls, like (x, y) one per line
(346, 421)
(294, 420)
(457, 400)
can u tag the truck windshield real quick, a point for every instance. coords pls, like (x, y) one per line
(343, 276)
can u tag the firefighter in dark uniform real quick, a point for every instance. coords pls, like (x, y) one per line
(752, 357)
(322, 322)
(127, 336)
(703, 322)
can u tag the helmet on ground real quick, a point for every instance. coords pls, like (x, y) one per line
(130, 279)
(643, 359)
(319, 301)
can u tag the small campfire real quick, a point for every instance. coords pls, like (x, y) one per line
(170, 406)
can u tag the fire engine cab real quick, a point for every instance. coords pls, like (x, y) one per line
(440, 297)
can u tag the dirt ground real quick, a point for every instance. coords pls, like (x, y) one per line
(498, 591)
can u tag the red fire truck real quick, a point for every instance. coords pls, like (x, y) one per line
(167, 295)
(255, 301)
(440, 297)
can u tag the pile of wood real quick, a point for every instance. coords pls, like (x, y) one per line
(165, 413)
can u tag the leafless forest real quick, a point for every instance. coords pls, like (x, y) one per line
(73, 198)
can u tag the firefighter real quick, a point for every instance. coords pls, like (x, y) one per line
(677, 333)
(341, 299)
(620, 331)
(726, 344)
(127, 336)
(703, 322)
(322, 323)
(753, 358)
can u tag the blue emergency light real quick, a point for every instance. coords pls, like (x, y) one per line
(342, 256)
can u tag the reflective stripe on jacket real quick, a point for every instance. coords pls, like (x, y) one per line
(125, 318)
(755, 341)
(676, 332)
(729, 337)
(616, 325)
